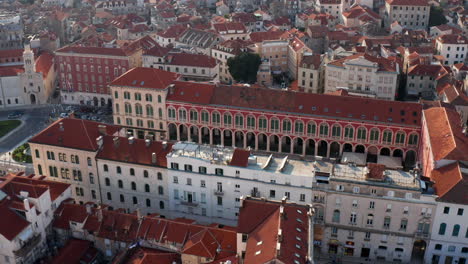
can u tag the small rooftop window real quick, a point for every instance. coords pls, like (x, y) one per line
(314, 108)
(258, 252)
(300, 107)
(298, 229)
(325, 109)
(299, 211)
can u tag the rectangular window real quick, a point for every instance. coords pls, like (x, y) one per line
(202, 170)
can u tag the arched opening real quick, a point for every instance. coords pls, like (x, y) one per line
(205, 135)
(239, 139)
(322, 148)
(398, 153)
(298, 146)
(274, 143)
(95, 101)
(172, 132)
(385, 152)
(194, 134)
(419, 248)
(262, 142)
(216, 136)
(109, 103)
(334, 150)
(347, 147)
(251, 140)
(103, 102)
(227, 138)
(183, 133)
(372, 154)
(310, 147)
(32, 98)
(410, 159)
(360, 149)
(285, 144)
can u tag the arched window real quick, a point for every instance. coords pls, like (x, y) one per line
(133, 186)
(323, 130)
(147, 188)
(122, 198)
(107, 181)
(413, 139)
(442, 228)
(387, 137)
(126, 95)
(456, 230)
(161, 205)
(349, 133)
(336, 131)
(239, 121)
(149, 111)
(91, 178)
(135, 200)
(287, 126)
(109, 196)
(216, 118)
(274, 125)
(90, 162)
(205, 117)
(37, 153)
(128, 108)
(39, 169)
(182, 115)
(262, 124)
(132, 172)
(361, 134)
(374, 135)
(193, 115)
(138, 109)
(227, 119)
(117, 108)
(160, 190)
(119, 170)
(298, 127)
(148, 203)
(120, 184)
(311, 129)
(400, 138)
(250, 122)
(171, 113)
(336, 216)
(145, 174)
(159, 176)
(106, 168)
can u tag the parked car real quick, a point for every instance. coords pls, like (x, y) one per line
(63, 115)
(15, 114)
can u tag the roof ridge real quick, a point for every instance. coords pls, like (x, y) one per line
(450, 127)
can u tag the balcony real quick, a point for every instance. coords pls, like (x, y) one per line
(319, 200)
(187, 203)
(218, 193)
(28, 246)
(422, 235)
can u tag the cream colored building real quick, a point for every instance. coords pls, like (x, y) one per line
(225, 50)
(139, 98)
(410, 14)
(363, 74)
(310, 74)
(453, 47)
(66, 152)
(276, 51)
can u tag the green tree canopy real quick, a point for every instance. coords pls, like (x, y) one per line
(436, 16)
(244, 67)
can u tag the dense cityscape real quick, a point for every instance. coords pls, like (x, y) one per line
(233, 131)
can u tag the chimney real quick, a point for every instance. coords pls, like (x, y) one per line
(99, 213)
(116, 141)
(138, 213)
(26, 205)
(241, 202)
(283, 201)
(102, 129)
(153, 158)
(99, 141)
(88, 208)
(171, 89)
(131, 140)
(164, 145)
(147, 142)
(61, 126)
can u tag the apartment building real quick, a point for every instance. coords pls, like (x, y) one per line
(206, 182)
(296, 50)
(453, 48)
(310, 74)
(225, 50)
(197, 41)
(423, 79)
(364, 74)
(276, 51)
(11, 28)
(84, 73)
(27, 205)
(231, 30)
(409, 14)
(132, 174)
(66, 152)
(140, 101)
(190, 66)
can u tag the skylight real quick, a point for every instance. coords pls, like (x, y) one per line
(258, 252)
(298, 246)
(299, 220)
(259, 243)
(299, 211)
(298, 229)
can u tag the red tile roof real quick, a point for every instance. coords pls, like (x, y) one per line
(240, 158)
(332, 106)
(173, 31)
(36, 187)
(191, 60)
(73, 133)
(44, 63)
(447, 140)
(67, 213)
(146, 78)
(267, 35)
(92, 51)
(451, 184)
(408, 2)
(435, 71)
(76, 251)
(11, 70)
(383, 63)
(312, 60)
(224, 28)
(452, 39)
(137, 152)
(148, 256)
(157, 51)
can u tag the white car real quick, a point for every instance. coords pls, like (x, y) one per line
(63, 115)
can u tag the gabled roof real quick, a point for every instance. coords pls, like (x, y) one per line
(445, 133)
(44, 63)
(76, 251)
(146, 78)
(451, 184)
(266, 35)
(92, 51)
(192, 60)
(11, 223)
(73, 133)
(452, 39)
(383, 63)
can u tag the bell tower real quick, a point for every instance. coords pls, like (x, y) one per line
(28, 60)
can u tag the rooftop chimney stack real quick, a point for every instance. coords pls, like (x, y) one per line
(99, 141)
(102, 129)
(164, 145)
(61, 126)
(153, 158)
(99, 213)
(116, 141)
(131, 140)
(147, 142)
(88, 208)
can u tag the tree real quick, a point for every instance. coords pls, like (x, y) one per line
(244, 67)
(436, 16)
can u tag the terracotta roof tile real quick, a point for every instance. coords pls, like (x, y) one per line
(408, 2)
(11, 223)
(451, 184)
(192, 60)
(240, 158)
(146, 78)
(76, 251)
